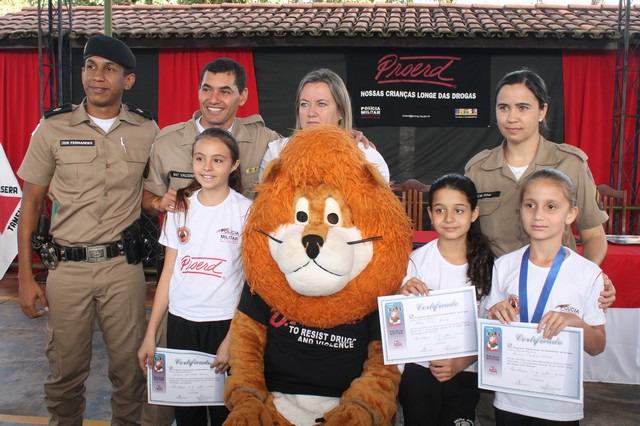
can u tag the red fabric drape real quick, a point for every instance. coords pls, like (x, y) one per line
(178, 74)
(589, 81)
(19, 99)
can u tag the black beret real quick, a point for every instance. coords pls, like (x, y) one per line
(111, 49)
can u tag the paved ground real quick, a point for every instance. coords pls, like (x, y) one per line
(23, 368)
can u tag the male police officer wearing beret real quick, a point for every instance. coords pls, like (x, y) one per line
(89, 159)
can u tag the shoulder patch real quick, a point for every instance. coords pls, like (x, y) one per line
(140, 111)
(573, 150)
(477, 158)
(58, 110)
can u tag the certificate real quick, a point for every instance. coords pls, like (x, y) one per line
(441, 325)
(184, 378)
(515, 358)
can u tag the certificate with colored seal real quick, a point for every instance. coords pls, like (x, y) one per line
(441, 325)
(184, 378)
(515, 358)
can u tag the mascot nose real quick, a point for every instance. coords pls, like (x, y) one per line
(312, 244)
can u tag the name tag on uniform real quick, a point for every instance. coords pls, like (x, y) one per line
(251, 170)
(77, 142)
(493, 194)
(180, 175)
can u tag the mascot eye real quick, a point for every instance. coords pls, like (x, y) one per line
(332, 213)
(302, 210)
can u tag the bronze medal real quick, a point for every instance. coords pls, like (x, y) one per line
(183, 234)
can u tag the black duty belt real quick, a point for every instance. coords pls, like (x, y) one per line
(97, 253)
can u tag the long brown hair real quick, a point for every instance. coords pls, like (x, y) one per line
(479, 256)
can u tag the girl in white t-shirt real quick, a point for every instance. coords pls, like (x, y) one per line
(548, 284)
(202, 278)
(445, 392)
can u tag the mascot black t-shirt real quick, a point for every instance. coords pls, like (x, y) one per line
(308, 360)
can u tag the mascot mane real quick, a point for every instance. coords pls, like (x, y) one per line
(326, 158)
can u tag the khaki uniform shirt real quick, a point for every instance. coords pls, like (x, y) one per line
(171, 165)
(94, 179)
(499, 193)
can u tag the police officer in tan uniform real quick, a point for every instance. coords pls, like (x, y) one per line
(500, 192)
(521, 105)
(89, 159)
(222, 91)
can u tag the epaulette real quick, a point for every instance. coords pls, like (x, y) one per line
(251, 119)
(573, 150)
(140, 111)
(58, 110)
(171, 129)
(477, 158)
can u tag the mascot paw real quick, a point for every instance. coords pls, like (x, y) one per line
(249, 412)
(348, 414)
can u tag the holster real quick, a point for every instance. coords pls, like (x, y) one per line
(132, 243)
(43, 245)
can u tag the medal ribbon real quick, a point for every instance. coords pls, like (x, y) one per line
(546, 288)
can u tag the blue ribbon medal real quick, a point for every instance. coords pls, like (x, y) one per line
(546, 289)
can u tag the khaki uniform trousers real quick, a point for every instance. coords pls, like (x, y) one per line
(113, 292)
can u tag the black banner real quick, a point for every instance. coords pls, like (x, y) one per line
(419, 89)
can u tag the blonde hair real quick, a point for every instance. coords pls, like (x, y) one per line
(338, 91)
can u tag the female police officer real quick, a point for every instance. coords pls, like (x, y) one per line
(521, 106)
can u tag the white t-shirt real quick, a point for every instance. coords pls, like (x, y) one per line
(104, 123)
(201, 128)
(429, 266)
(370, 154)
(576, 289)
(518, 171)
(207, 277)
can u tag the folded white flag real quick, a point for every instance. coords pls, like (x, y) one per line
(10, 196)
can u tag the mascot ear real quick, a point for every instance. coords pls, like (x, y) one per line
(375, 174)
(272, 170)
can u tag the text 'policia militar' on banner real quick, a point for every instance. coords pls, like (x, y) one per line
(419, 89)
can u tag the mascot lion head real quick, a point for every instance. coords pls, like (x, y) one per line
(325, 236)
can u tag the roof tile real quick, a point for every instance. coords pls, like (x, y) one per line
(261, 20)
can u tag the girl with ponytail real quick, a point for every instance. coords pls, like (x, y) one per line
(445, 392)
(202, 278)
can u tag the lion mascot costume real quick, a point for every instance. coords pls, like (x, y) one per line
(324, 238)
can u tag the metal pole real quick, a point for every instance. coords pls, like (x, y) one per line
(107, 18)
(51, 57)
(59, 60)
(70, 47)
(623, 100)
(40, 61)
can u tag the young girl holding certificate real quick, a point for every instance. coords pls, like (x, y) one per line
(202, 277)
(548, 284)
(444, 392)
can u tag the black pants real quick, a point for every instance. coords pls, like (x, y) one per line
(427, 402)
(203, 337)
(507, 418)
